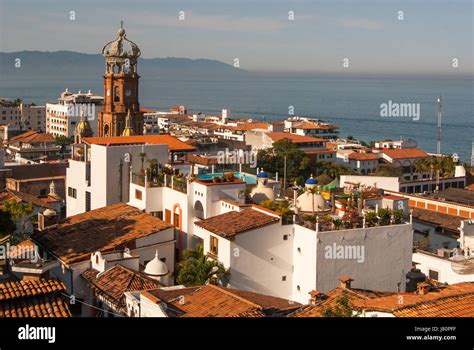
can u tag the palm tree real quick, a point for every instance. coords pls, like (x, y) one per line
(312, 191)
(196, 268)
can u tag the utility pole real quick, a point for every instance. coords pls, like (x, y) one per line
(438, 143)
(284, 176)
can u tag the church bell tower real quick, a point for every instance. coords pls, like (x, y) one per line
(120, 88)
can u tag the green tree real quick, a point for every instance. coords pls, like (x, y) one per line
(63, 141)
(384, 214)
(312, 191)
(197, 269)
(21, 212)
(324, 179)
(334, 170)
(388, 170)
(371, 218)
(7, 225)
(297, 163)
(341, 309)
(282, 208)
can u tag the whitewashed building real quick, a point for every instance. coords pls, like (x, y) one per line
(62, 117)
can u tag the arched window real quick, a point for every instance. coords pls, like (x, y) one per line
(117, 94)
(198, 210)
(106, 130)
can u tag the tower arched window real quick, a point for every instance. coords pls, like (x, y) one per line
(117, 94)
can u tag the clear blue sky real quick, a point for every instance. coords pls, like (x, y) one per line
(259, 33)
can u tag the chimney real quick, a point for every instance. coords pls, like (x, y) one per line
(345, 282)
(315, 296)
(47, 219)
(422, 288)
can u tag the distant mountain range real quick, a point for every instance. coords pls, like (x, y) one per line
(64, 65)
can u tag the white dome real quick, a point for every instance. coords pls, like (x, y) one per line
(49, 212)
(260, 194)
(156, 267)
(304, 202)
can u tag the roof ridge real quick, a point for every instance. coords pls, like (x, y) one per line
(228, 292)
(429, 301)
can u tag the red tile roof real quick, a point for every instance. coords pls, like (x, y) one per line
(332, 299)
(114, 282)
(456, 300)
(107, 229)
(363, 156)
(33, 137)
(215, 301)
(229, 224)
(7, 194)
(33, 298)
(38, 171)
(403, 153)
(173, 143)
(277, 136)
(203, 160)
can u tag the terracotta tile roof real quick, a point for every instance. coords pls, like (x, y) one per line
(446, 221)
(252, 126)
(33, 298)
(20, 250)
(363, 156)
(198, 159)
(215, 301)
(173, 143)
(28, 288)
(431, 304)
(403, 153)
(167, 295)
(7, 194)
(250, 314)
(32, 137)
(37, 171)
(114, 282)
(277, 136)
(393, 197)
(319, 151)
(469, 187)
(232, 223)
(106, 229)
(331, 300)
(456, 306)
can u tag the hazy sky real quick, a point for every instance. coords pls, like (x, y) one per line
(258, 32)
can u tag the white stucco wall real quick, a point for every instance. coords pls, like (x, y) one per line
(386, 259)
(446, 269)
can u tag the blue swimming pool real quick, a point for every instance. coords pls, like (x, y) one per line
(250, 179)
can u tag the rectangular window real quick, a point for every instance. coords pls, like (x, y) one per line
(434, 275)
(285, 237)
(168, 216)
(88, 201)
(138, 195)
(72, 192)
(213, 247)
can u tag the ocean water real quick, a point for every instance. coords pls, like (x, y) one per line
(353, 103)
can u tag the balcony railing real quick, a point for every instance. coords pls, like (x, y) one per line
(162, 180)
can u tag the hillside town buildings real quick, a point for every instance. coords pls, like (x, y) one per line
(116, 212)
(63, 117)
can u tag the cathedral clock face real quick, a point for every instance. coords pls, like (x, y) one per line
(128, 93)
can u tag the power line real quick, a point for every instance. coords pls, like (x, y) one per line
(92, 306)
